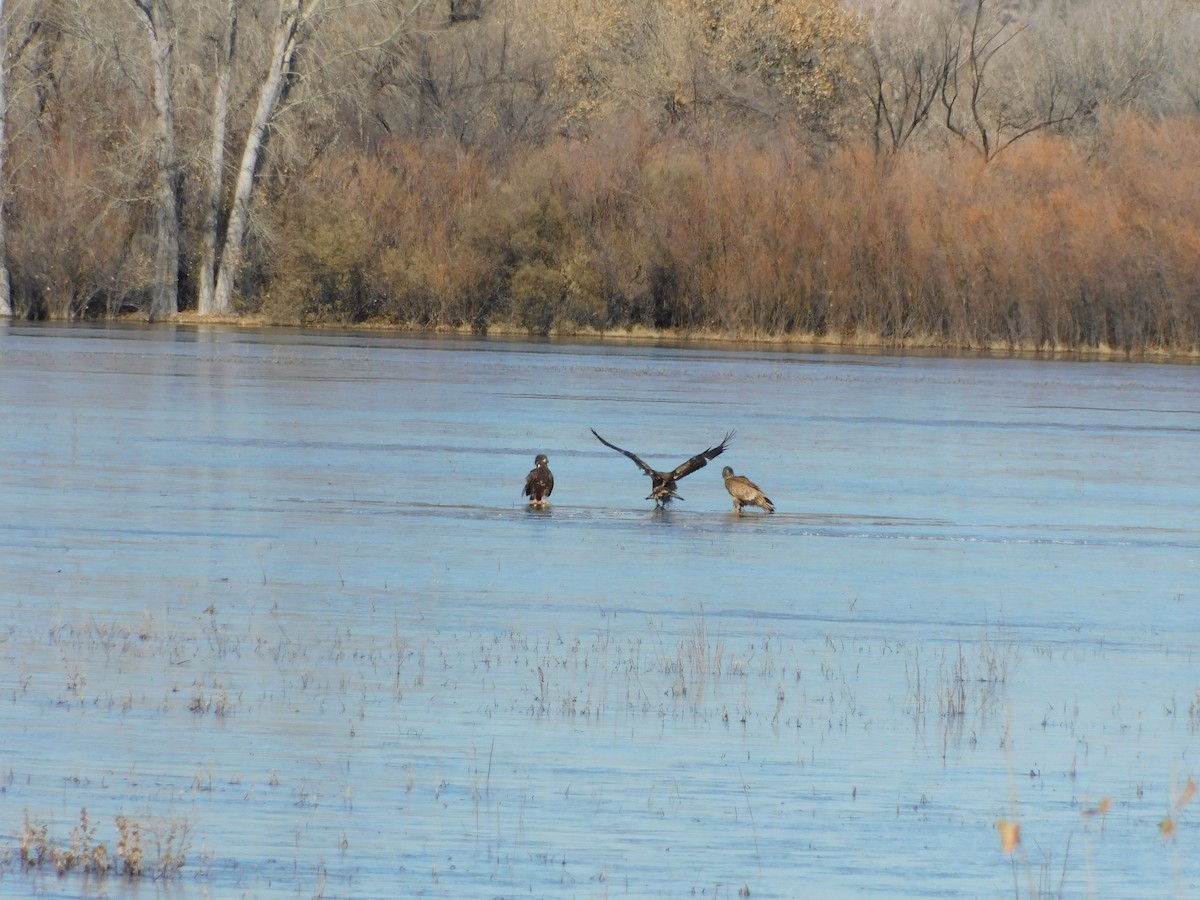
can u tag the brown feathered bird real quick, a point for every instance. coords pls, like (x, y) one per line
(539, 483)
(662, 484)
(745, 492)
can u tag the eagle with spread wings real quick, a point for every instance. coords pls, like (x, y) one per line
(662, 484)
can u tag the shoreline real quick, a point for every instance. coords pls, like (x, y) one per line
(861, 342)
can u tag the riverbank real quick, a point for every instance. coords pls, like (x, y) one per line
(707, 339)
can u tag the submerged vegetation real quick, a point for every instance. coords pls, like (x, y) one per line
(1002, 174)
(696, 681)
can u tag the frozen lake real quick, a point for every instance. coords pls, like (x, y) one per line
(277, 598)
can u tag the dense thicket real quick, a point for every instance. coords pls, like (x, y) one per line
(979, 173)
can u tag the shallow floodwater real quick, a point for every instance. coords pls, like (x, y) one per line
(276, 598)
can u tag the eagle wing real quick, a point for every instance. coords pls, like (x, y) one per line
(743, 489)
(700, 460)
(641, 465)
(746, 493)
(539, 483)
(746, 490)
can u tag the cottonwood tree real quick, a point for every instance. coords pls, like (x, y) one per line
(611, 56)
(693, 58)
(220, 248)
(96, 160)
(802, 49)
(366, 31)
(157, 20)
(481, 80)
(1120, 55)
(1185, 74)
(26, 39)
(296, 18)
(214, 162)
(906, 63)
(994, 95)
(5, 288)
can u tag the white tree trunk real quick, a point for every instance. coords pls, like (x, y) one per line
(164, 299)
(292, 15)
(5, 289)
(216, 163)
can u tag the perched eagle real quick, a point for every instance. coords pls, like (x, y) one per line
(662, 484)
(539, 483)
(745, 492)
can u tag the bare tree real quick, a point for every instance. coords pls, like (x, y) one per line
(1122, 55)
(215, 163)
(366, 31)
(157, 20)
(987, 103)
(907, 64)
(8, 59)
(484, 81)
(6, 309)
(1185, 74)
(295, 17)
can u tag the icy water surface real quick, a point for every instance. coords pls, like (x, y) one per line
(276, 599)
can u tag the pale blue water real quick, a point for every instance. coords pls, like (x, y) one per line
(284, 587)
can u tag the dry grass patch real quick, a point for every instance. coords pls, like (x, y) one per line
(155, 849)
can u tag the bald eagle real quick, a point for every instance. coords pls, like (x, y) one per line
(539, 483)
(745, 492)
(662, 484)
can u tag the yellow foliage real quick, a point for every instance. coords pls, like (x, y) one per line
(673, 54)
(802, 47)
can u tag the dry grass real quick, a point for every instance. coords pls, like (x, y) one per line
(963, 685)
(155, 850)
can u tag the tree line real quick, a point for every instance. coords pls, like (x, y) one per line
(1000, 173)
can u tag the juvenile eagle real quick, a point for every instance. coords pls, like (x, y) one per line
(539, 483)
(745, 492)
(662, 484)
